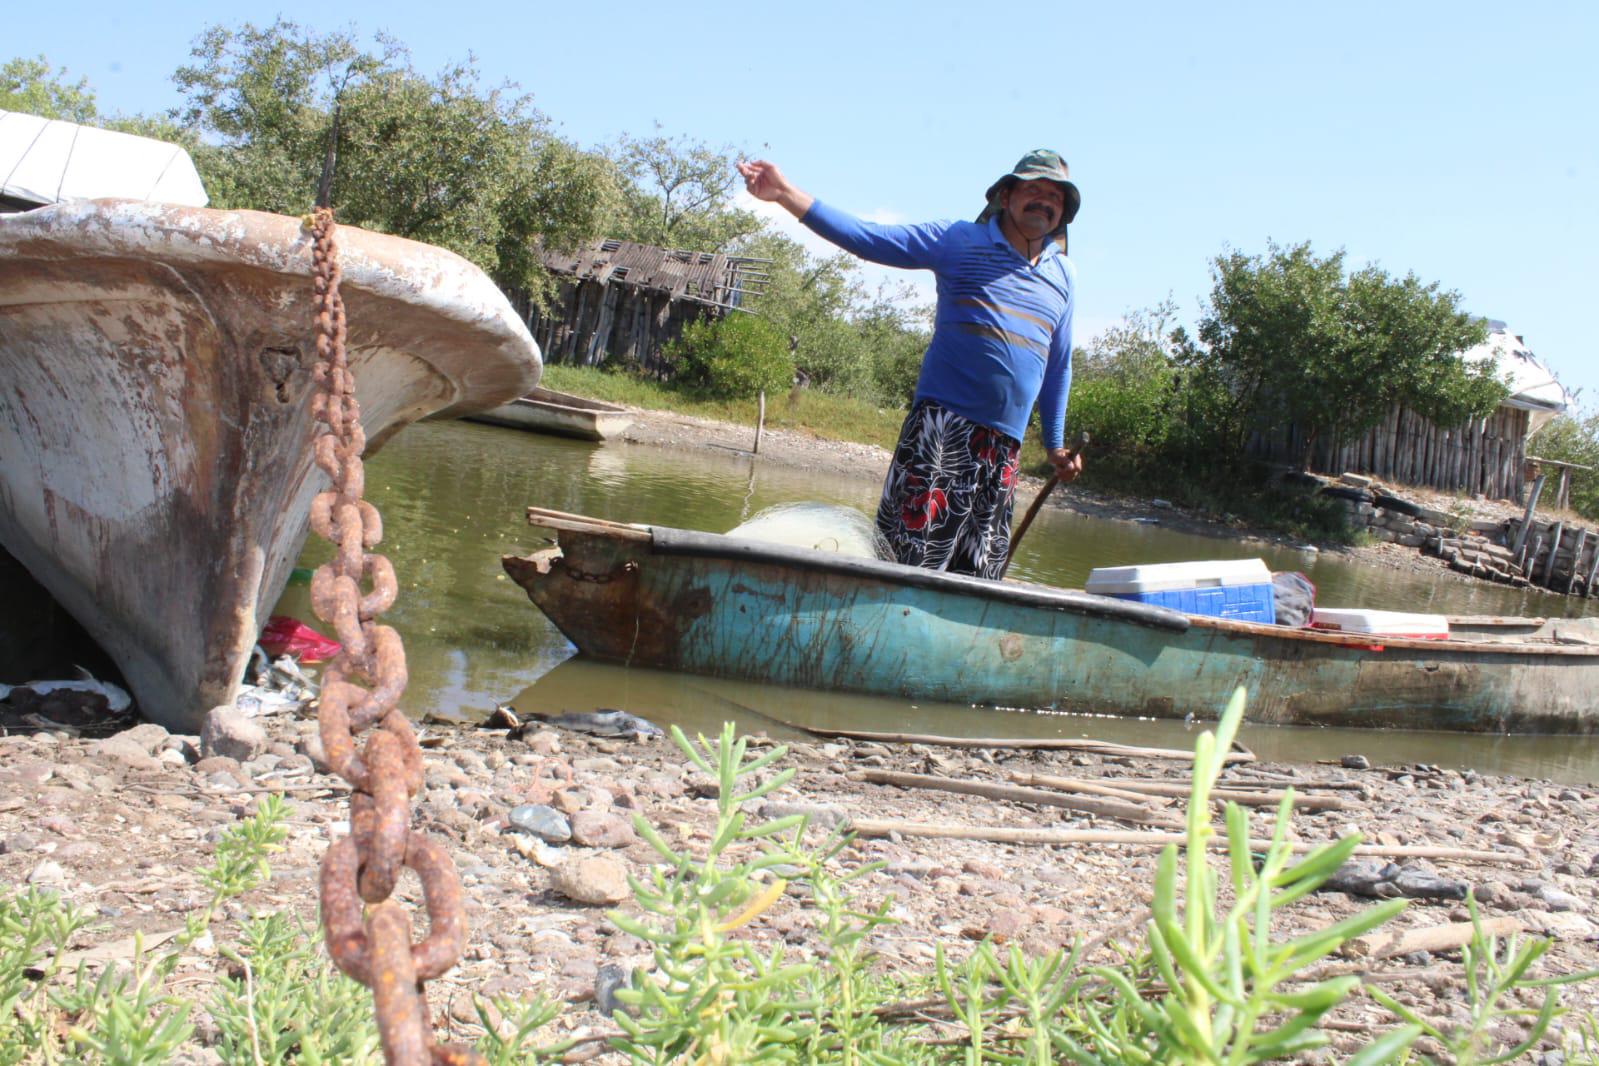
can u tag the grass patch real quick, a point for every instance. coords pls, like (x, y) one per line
(822, 415)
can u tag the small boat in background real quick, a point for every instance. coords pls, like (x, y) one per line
(155, 414)
(727, 607)
(560, 413)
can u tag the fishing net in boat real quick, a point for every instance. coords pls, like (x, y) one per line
(824, 526)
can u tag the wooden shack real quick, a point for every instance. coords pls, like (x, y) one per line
(1485, 455)
(619, 301)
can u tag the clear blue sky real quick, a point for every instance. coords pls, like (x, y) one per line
(1456, 140)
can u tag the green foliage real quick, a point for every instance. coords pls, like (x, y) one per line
(847, 340)
(1233, 993)
(1574, 439)
(1495, 972)
(34, 87)
(1126, 388)
(283, 1002)
(443, 159)
(678, 193)
(1287, 337)
(510, 1027)
(125, 1016)
(35, 928)
(716, 1001)
(737, 356)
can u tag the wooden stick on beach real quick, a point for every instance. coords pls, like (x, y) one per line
(877, 827)
(1383, 945)
(1221, 795)
(1106, 808)
(1100, 747)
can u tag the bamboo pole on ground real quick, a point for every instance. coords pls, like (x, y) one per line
(1100, 747)
(1106, 808)
(1386, 945)
(1245, 798)
(879, 827)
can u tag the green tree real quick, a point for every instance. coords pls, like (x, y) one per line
(678, 193)
(1126, 386)
(1287, 337)
(845, 339)
(733, 357)
(443, 159)
(1574, 438)
(34, 87)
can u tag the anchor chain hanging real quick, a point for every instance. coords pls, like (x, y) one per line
(361, 689)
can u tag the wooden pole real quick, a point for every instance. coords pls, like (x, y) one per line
(1432, 938)
(1106, 808)
(1576, 559)
(1243, 798)
(1526, 518)
(1549, 560)
(1102, 747)
(876, 827)
(1038, 501)
(760, 421)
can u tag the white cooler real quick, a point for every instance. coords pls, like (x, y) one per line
(1381, 623)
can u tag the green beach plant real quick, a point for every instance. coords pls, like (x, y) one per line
(1233, 992)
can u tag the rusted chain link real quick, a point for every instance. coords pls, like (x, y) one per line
(361, 688)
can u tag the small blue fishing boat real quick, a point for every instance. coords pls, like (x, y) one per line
(728, 607)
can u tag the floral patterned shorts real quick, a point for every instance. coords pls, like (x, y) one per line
(948, 495)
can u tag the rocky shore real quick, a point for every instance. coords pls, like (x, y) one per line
(539, 821)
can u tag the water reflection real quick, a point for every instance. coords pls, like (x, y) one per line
(701, 704)
(453, 497)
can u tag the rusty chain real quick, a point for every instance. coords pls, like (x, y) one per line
(361, 688)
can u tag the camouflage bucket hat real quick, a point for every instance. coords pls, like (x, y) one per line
(1040, 163)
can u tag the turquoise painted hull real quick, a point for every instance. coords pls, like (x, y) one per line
(727, 608)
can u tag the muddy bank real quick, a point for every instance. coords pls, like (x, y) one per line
(123, 824)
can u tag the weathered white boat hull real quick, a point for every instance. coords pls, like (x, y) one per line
(155, 471)
(560, 413)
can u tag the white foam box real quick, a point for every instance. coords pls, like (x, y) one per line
(1240, 589)
(1381, 623)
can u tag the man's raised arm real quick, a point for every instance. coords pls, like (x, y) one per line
(765, 182)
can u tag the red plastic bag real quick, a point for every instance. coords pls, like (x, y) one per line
(290, 636)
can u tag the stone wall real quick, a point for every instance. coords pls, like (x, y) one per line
(1553, 555)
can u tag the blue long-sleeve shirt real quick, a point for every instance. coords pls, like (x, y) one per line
(1002, 335)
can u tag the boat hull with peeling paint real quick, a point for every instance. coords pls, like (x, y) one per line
(155, 367)
(727, 607)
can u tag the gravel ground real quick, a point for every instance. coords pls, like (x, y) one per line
(122, 825)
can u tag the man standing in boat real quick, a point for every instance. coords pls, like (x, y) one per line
(1002, 341)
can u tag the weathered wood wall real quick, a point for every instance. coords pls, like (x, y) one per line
(590, 322)
(1485, 455)
(626, 302)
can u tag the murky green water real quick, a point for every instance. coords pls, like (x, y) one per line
(453, 497)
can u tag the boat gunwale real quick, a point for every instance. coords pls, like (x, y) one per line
(669, 541)
(541, 397)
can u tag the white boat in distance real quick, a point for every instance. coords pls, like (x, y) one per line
(561, 413)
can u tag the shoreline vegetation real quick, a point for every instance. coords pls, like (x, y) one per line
(853, 437)
(616, 886)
